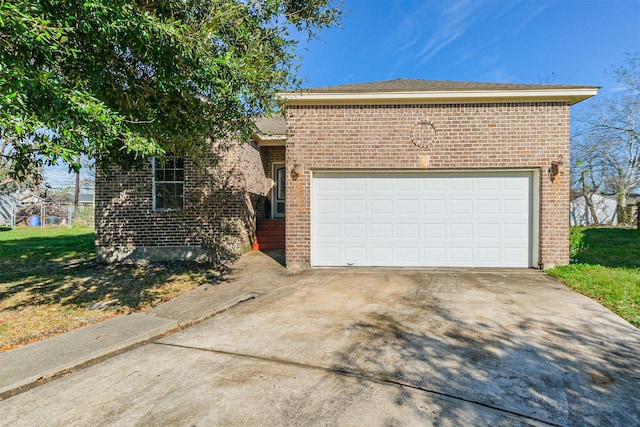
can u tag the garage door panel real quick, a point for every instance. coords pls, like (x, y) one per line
(328, 255)
(355, 185)
(515, 231)
(434, 184)
(461, 231)
(513, 255)
(460, 207)
(408, 207)
(515, 206)
(382, 255)
(381, 231)
(408, 255)
(327, 207)
(409, 185)
(516, 184)
(408, 231)
(434, 231)
(381, 207)
(461, 184)
(355, 231)
(488, 207)
(434, 207)
(327, 186)
(380, 185)
(489, 184)
(328, 230)
(354, 207)
(435, 256)
(489, 255)
(460, 256)
(429, 219)
(488, 231)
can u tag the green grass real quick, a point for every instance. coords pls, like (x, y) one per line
(606, 268)
(33, 247)
(50, 283)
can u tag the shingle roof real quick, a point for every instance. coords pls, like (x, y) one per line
(414, 91)
(268, 126)
(416, 85)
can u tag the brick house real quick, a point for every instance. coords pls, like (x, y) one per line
(392, 173)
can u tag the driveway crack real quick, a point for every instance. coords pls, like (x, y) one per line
(364, 376)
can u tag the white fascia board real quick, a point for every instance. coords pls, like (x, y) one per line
(572, 96)
(269, 140)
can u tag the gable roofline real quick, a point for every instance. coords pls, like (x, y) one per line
(412, 91)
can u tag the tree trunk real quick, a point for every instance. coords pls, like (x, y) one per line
(76, 196)
(621, 199)
(587, 199)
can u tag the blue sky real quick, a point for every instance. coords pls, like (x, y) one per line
(541, 41)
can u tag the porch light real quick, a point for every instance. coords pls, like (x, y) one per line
(555, 168)
(295, 172)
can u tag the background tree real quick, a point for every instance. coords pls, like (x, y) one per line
(8, 183)
(119, 80)
(606, 149)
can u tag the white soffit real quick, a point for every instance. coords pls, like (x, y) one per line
(269, 140)
(570, 95)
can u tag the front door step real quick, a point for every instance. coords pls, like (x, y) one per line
(270, 234)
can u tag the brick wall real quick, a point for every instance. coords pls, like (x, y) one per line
(231, 187)
(470, 136)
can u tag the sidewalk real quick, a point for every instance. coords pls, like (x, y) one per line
(254, 274)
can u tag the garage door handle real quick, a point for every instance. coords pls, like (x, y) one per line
(350, 263)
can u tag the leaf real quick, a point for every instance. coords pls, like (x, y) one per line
(121, 82)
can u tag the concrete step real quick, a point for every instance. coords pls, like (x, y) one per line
(261, 243)
(271, 228)
(269, 246)
(274, 233)
(271, 223)
(270, 234)
(270, 240)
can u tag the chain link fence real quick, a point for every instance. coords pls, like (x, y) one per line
(45, 214)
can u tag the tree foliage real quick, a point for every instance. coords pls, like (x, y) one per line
(606, 149)
(8, 182)
(119, 80)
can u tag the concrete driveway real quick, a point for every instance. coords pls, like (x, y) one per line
(367, 347)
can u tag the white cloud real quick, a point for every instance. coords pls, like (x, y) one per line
(456, 19)
(452, 23)
(499, 74)
(530, 18)
(417, 36)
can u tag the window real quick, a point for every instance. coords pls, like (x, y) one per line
(168, 183)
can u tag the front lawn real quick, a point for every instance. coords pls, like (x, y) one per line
(606, 268)
(50, 283)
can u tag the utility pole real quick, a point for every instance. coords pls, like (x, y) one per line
(76, 196)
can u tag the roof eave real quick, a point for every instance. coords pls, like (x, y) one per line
(269, 140)
(571, 96)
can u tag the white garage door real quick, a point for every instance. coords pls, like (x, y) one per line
(422, 219)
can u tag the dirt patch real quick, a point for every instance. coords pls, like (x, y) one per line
(49, 300)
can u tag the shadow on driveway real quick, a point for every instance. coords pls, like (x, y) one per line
(369, 347)
(499, 347)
